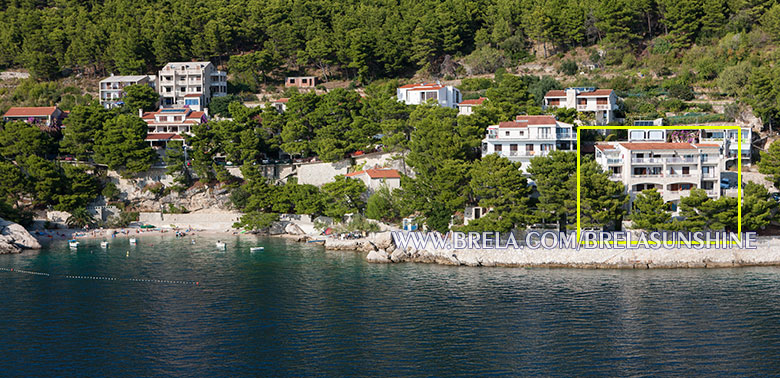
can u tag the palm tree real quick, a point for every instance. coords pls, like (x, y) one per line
(80, 218)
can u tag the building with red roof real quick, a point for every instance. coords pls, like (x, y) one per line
(416, 94)
(49, 116)
(376, 178)
(528, 136)
(171, 124)
(466, 107)
(601, 102)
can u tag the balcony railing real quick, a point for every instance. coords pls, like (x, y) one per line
(521, 153)
(647, 160)
(679, 175)
(614, 161)
(616, 176)
(646, 175)
(680, 160)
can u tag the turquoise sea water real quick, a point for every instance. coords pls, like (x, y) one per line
(296, 310)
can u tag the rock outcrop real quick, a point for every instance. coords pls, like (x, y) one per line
(14, 238)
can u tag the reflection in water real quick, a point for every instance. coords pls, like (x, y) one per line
(294, 310)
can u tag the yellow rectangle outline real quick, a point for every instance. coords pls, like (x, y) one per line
(686, 127)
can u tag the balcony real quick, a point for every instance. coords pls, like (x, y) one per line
(616, 176)
(647, 160)
(522, 153)
(614, 161)
(681, 160)
(679, 175)
(647, 175)
(564, 135)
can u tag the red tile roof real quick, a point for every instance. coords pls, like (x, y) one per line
(657, 146)
(195, 115)
(605, 147)
(282, 100)
(708, 145)
(417, 85)
(436, 88)
(478, 101)
(192, 95)
(375, 173)
(536, 119)
(31, 111)
(511, 124)
(597, 93)
(555, 93)
(163, 136)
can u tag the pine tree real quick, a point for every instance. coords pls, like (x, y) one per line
(649, 211)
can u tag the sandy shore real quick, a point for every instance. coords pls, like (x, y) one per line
(45, 236)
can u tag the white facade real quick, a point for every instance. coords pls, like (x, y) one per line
(190, 84)
(416, 94)
(466, 107)
(728, 139)
(527, 137)
(171, 124)
(601, 102)
(671, 168)
(112, 88)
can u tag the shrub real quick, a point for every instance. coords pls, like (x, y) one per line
(568, 67)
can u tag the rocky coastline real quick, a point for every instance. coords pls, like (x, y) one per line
(14, 238)
(379, 248)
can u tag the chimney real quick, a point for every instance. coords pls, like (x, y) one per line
(140, 112)
(206, 111)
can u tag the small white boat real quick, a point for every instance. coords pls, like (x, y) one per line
(133, 241)
(256, 249)
(221, 245)
(104, 244)
(73, 243)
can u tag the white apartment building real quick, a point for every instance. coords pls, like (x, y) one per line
(112, 88)
(529, 136)
(728, 139)
(416, 94)
(601, 102)
(671, 168)
(466, 107)
(171, 124)
(190, 84)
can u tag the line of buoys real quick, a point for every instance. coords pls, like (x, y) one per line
(100, 278)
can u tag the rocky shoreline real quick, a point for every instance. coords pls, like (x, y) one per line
(379, 248)
(14, 238)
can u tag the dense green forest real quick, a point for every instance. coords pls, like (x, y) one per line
(354, 39)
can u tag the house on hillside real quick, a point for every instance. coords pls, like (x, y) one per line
(48, 116)
(112, 88)
(466, 107)
(169, 124)
(527, 137)
(300, 81)
(416, 94)
(280, 104)
(376, 178)
(601, 102)
(190, 84)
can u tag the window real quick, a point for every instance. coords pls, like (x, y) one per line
(521, 133)
(582, 101)
(546, 147)
(430, 95)
(497, 147)
(513, 147)
(182, 89)
(544, 132)
(554, 101)
(506, 133)
(601, 101)
(686, 170)
(529, 147)
(192, 101)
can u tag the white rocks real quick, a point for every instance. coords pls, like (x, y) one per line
(293, 229)
(14, 238)
(378, 256)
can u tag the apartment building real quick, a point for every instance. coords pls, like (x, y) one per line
(527, 137)
(190, 84)
(601, 102)
(466, 107)
(671, 168)
(112, 88)
(416, 94)
(728, 140)
(48, 116)
(169, 124)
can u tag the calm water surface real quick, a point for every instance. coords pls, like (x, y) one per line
(296, 310)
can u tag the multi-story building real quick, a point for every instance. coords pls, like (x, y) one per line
(171, 124)
(190, 84)
(528, 136)
(671, 168)
(601, 102)
(48, 116)
(416, 94)
(466, 107)
(728, 140)
(112, 87)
